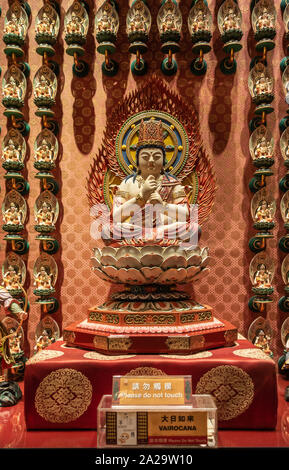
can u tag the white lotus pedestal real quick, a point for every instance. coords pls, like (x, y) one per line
(150, 315)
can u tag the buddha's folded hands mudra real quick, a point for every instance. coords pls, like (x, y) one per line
(151, 204)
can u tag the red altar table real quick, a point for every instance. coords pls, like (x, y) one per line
(63, 385)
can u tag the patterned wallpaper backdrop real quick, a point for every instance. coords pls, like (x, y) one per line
(224, 107)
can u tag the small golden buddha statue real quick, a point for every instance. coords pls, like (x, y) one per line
(262, 277)
(43, 280)
(264, 212)
(12, 215)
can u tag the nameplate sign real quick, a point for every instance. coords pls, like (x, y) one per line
(151, 390)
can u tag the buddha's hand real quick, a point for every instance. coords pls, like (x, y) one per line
(149, 186)
(155, 198)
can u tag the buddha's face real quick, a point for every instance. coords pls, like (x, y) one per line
(150, 161)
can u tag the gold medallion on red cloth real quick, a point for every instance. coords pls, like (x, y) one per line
(232, 388)
(63, 396)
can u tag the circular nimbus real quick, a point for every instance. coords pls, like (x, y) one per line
(232, 388)
(63, 396)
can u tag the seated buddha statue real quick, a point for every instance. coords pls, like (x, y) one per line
(12, 215)
(74, 26)
(263, 84)
(263, 149)
(150, 204)
(14, 26)
(10, 152)
(43, 280)
(231, 21)
(262, 341)
(11, 89)
(200, 22)
(44, 215)
(262, 277)
(263, 212)
(46, 25)
(43, 152)
(265, 20)
(11, 279)
(43, 88)
(169, 22)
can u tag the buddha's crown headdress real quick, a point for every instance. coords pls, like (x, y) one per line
(150, 133)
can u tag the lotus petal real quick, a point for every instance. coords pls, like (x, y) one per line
(128, 262)
(95, 262)
(97, 253)
(102, 275)
(194, 260)
(205, 252)
(173, 250)
(108, 250)
(151, 260)
(193, 271)
(174, 261)
(206, 261)
(111, 271)
(151, 249)
(151, 274)
(130, 251)
(172, 276)
(131, 276)
(201, 274)
(108, 260)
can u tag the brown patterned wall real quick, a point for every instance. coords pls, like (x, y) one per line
(224, 107)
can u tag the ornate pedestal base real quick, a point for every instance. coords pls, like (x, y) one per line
(150, 320)
(208, 335)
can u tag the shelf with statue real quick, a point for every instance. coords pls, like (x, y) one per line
(138, 25)
(13, 91)
(261, 275)
(284, 209)
(283, 361)
(284, 301)
(263, 209)
(169, 22)
(46, 211)
(12, 360)
(13, 274)
(45, 150)
(15, 29)
(230, 27)
(13, 151)
(261, 87)
(146, 214)
(260, 334)
(261, 145)
(14, 210)
(106, 29)
(200, 24)
(263, 21)
(44, 91)
(45, 274)
(46, 333)
(46, 30)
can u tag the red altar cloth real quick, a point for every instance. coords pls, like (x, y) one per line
(63, 386)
